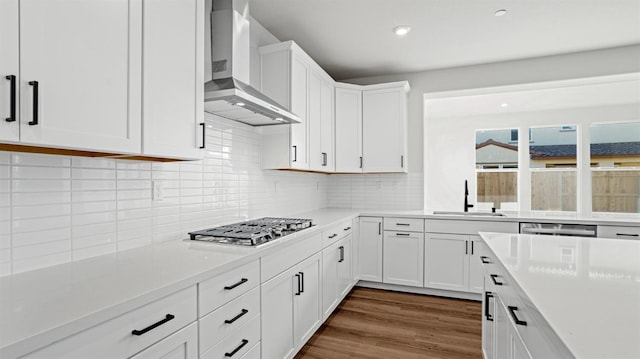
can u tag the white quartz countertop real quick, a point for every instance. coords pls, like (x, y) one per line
(587, 289)
(46, 305)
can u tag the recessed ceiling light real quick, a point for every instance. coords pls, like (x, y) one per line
(401, 30)
(241, 104)
(500, 12)
(503, 105)
(279, 119)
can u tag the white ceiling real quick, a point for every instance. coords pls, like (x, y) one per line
(354, 38)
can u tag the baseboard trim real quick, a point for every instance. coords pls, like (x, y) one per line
(416, 290)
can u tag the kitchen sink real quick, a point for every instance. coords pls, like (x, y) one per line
(470, 214)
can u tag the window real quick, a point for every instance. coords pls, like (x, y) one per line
(514, 135)
(552, 164)
(615, 178)
(496, 170)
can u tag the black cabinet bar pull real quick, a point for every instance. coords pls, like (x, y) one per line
(493, 278)
(487, 315)
(240, 315)
(295, 153)
(402, 234)
(242, 281)
(298, 280)
(401, 161)
(333, 235)
(628, 234)
(379, 227)
(471, 247)
(341, 249)
(485, 260)
(12, 96)
(512, 311)
(153, 326)
(302, 282)
(360, 161)
(35, 103)
(466, 247)
(403, 224)
(324, 158)
(348, 228)
(204, 137)
(244, 342)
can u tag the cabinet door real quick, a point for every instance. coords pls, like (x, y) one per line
(348, 130)
(517, 348)
(370, 249)
(181, 345)
(277, 296)
(330, 258)
(488, 324)
(501, 332)
(326, 126)
(316, 159)
(345, 277)
(173, 78)
(383, 130)
(299, 131)
(307, 307)
(355, 251)
(403, 258)
(9, 113)
(475, 265)
(446, 261)
(86, 59)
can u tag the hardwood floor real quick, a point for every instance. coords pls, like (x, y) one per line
(372, 323)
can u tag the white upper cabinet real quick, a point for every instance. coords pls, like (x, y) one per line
(284, 77)
(348, 128)
(321, 122)
(93, 74)
(9, 66)
(173, 65)
(80, 73)
(384, 123)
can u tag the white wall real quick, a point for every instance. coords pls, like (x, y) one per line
(605, 62)
(56, 209)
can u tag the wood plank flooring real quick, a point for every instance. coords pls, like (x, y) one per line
(372, 323)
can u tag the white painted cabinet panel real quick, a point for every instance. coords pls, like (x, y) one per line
(370, 249)
(476, 274)
(320, 122)
(345, 267)
(348, 129)
(403, 258)
(337, 278)
(299, 131)
(173, 80)
(180, 345)
(384, 128)
(446, 261)
(307, 306)
(9, 71)
(88, 80)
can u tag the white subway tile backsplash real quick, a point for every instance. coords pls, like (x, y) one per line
(55, 209)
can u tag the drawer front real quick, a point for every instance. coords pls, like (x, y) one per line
(335, 233)
(403, 224)
(237, 343)
(214, 292)
(217, 325)
(254, 353)
(619, 232)
(114, 338)
(277, 262)
(469, 227)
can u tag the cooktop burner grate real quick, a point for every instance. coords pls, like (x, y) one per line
(252, 233)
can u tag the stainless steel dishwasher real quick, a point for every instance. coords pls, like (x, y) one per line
(559, 229)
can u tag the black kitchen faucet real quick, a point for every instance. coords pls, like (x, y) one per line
(466, 197)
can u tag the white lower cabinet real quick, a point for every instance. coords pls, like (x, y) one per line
(291, 310)
(403, 258)
(336, 274)
(370, 249)
(238, 343)
(180, 345)
(446, 261)
(508, 343)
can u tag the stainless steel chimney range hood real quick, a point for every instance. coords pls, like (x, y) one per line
(227, 62)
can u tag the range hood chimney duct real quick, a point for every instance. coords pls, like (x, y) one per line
(227, 92)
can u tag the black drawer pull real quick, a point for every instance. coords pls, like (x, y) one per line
(295, 153)
(512, 311)
(240, 315)
(153, 326)
(493, 279)
(403, 224)
(204, 136)
(348, 228)
(297, 275)
(244, 342)
(12, 96)
(628, 234)
(333, 236)
(487, 315)
(242, 281)
(341, 249)
(402, 234)
(484, 260)
(35, 103)
(301, 282)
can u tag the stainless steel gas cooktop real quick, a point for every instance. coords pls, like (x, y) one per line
(252, 233)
